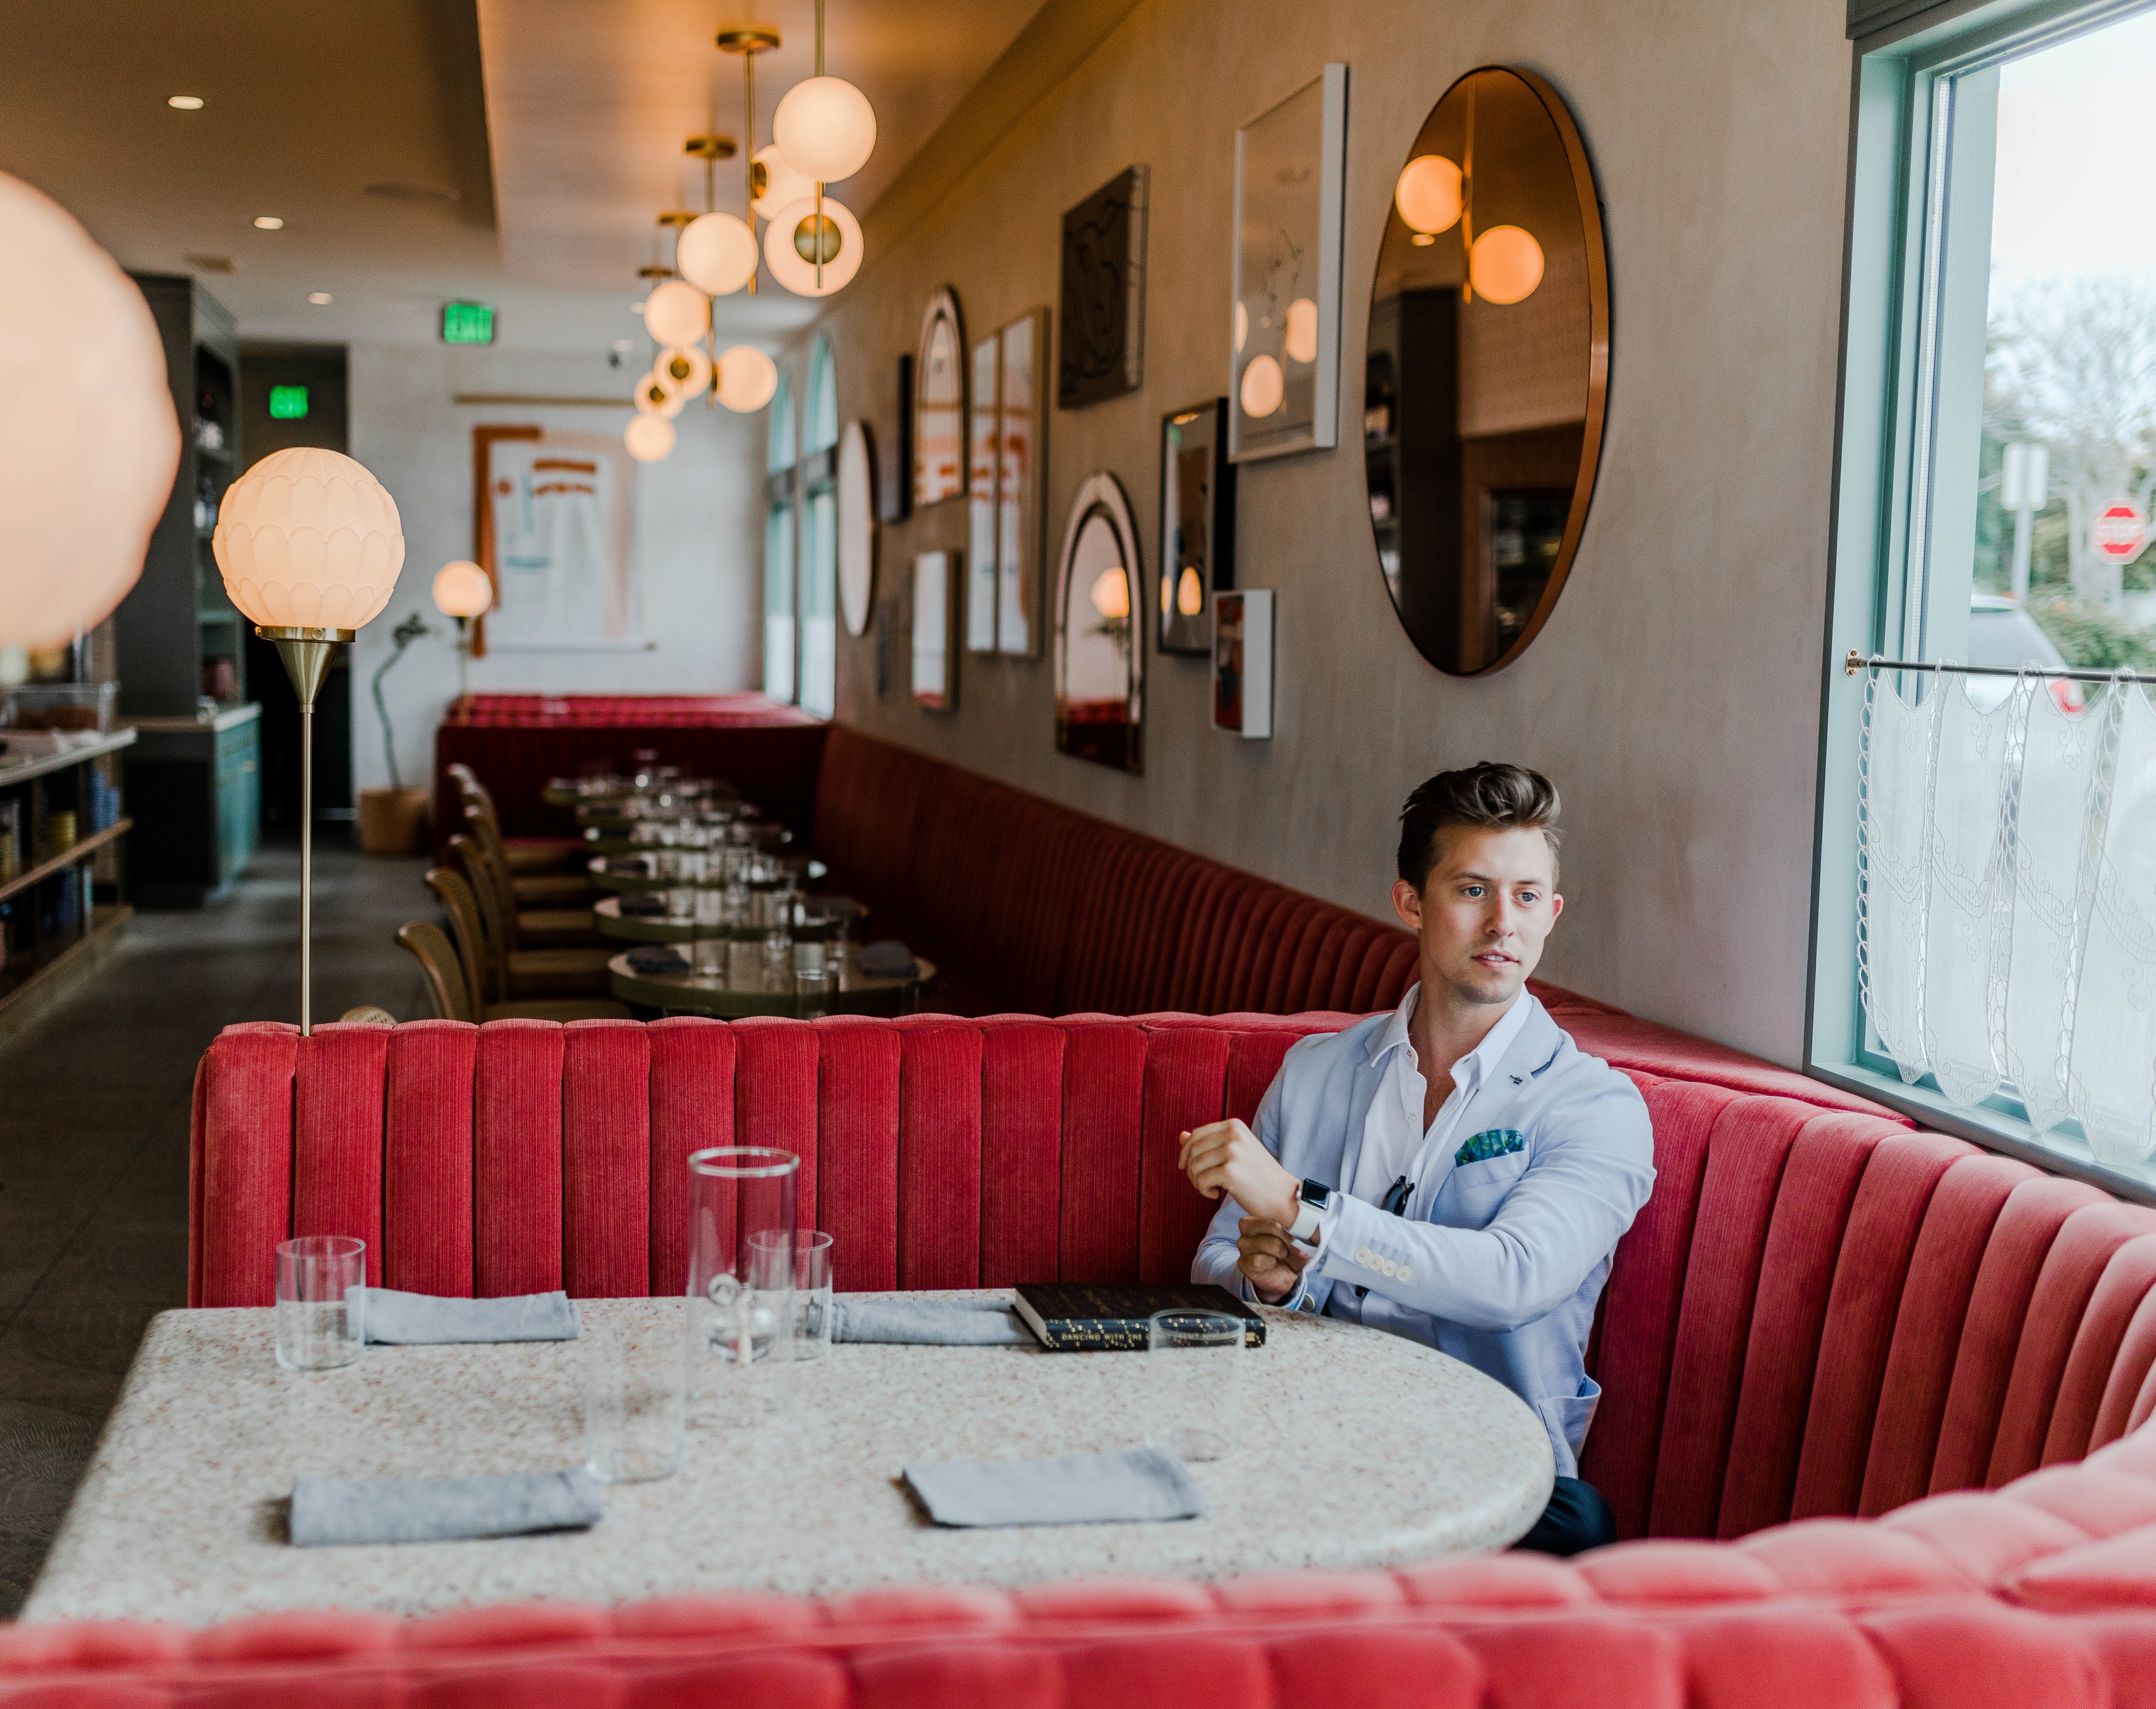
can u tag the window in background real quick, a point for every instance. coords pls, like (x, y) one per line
(1986, 923)
(820, 537)
(778, 530)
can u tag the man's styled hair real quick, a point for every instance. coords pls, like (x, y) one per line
(1488, 796)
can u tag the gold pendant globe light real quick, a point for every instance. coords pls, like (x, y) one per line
(824, 126)
(89, 443)
(777, 184)
(648, 438)
(676, 313)
(653, 398)
(683, 372)
(715, 252)
(801, 262)
(748, 378)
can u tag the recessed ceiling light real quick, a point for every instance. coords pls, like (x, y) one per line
(320, 298)
(185, 102)
(268, 223)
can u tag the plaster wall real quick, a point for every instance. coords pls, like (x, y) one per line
(696, 546)
(1674, 694)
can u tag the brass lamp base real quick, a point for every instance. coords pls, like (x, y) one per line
(308, 654)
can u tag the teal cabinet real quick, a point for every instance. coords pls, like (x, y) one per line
(195, 790)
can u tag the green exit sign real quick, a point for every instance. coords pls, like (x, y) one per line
(467, 323)
(288, 403)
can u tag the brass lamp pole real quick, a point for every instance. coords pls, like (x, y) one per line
(307, 655)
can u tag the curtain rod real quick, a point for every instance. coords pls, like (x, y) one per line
(1856, 661)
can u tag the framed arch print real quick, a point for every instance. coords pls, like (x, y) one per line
(1099, 643)
(939, 404)
(857, 527)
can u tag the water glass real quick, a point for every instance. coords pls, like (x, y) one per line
(811, 1252)
(636, 1388)
(741, 1294)
(811, 991)
(1194, 1383)
(321, 1302)
(777, 960)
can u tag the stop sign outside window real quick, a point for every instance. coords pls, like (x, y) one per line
(2118, 530)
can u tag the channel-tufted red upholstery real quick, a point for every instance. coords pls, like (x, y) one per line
(1043, 909)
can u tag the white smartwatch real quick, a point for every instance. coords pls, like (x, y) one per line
(1312, 1199)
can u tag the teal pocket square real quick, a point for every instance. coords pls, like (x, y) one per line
(1490, 1142)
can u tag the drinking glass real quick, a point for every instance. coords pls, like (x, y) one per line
(636, 1385)
(710, 947)
(812, 991)
(777, 960)
(740, 1297)
(1195, 1383)
(321, 1302)
(811, 1252)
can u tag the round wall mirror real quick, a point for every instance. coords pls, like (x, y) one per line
(1100, 652)
(857, 527)
(1485, 370)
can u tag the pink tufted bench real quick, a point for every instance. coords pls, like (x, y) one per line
(1824, 1315)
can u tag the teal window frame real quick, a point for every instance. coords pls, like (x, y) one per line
(816, 599)
(781, 627)
(1916, 291)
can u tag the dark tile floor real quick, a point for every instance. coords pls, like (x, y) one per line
(93, 1105)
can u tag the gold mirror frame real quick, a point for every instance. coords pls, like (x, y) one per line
(1596, 356)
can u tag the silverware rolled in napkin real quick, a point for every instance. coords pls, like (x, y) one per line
(1085, 1489)
(657, 959)
(339, 1510)
(887, 958)
(928, 1323)
(396, 1319)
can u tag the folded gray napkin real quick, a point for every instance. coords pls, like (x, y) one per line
(888, 959)
(657, 959)
(1085, 1489)
(343, 1509)
(928, 1323)
(395, 1319)
(641, 904)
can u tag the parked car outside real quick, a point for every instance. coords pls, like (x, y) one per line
(2001, 634)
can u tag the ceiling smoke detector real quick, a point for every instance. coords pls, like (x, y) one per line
(439, 194)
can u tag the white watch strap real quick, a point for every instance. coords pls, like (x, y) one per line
(1305, 1227)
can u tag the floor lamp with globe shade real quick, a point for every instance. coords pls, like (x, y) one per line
(309, 545)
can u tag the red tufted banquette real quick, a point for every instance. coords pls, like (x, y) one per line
(1823, 1313)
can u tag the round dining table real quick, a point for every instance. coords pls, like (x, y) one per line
(613, 921)
(1356, 1449)
(688, 991)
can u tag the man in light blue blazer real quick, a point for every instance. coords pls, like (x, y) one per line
(1456, 1171)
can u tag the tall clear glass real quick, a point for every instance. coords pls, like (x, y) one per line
(321, 1302)
(1194, 1383)
(636, 1377)
(811, 1252)
(740, 1291)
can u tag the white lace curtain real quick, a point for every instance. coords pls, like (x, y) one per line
(2007, 900)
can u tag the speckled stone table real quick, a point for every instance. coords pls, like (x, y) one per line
(1358, 1448)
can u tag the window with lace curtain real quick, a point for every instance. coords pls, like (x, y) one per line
(1985, 941)
(819, 534)
(779, 510)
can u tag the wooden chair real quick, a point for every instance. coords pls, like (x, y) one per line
(531, 927)
(519, 976)
(444, 975)
(529, 858)
(527, 970)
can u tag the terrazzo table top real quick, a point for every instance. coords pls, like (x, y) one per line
(1358, 1448)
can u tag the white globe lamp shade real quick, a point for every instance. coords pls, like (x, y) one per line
(747, 378)
(782, 184)
(653, 398)
(1264, 388)
(717, 253)
(684, 372)
(308, 539)
(1300, 342)
(789, 247)
(1505, 265)
(462, 589)
(825, 128)
(648, 438)
(677, 313)
(88, 440)
(1428, 194)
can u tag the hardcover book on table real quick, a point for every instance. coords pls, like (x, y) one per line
(1113, 1316)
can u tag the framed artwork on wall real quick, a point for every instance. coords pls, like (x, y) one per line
(1284, 365)
(1104, 249)
(936, 631)
(1006, 428)
(939, 404)
(1243, 663)
(1099, 646)
(856, 526)
(1197, 523)
(895, 468)
(554, 526)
